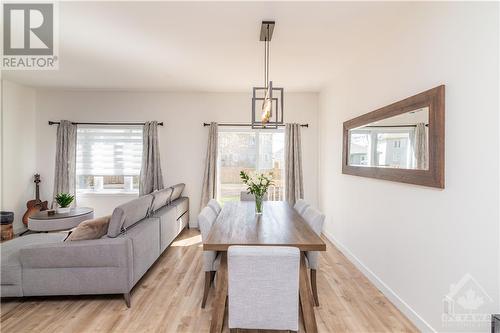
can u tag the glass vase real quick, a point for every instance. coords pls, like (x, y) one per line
(259, 200)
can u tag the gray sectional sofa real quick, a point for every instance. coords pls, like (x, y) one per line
(138, 233)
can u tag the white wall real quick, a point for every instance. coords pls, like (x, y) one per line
(18, 150)
(413, 241)
(183, 138)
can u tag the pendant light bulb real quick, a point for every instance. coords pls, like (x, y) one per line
(267, 105)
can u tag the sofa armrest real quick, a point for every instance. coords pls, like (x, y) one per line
(104, 252)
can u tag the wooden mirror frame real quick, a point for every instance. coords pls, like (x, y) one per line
(434, 176)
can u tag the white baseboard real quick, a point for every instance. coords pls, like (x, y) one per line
(413, 316)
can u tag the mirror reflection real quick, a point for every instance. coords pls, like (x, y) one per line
(399, 142)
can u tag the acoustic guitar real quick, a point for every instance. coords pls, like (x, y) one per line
(35, 205)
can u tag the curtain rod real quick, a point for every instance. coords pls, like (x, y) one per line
(114, 123)
(271, 126)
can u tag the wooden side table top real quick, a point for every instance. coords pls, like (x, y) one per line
(43, 222)
(77, 211)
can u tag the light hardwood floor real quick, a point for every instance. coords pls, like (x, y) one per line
(168, 299)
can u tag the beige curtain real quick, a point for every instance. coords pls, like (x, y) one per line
(151, 178)
(420, 148)
(294, 188)
(209, 189)
(65, 169)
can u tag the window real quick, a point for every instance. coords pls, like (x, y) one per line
(253, 151)
(382, 147)
(108, 159)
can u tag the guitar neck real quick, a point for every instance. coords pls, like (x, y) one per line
(37, 192)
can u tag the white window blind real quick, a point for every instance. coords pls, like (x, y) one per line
(108, 156)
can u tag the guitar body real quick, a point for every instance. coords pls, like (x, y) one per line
(36, 205)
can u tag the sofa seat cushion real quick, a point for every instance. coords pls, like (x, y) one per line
(90, 229)
(128, 214)
(10, 250)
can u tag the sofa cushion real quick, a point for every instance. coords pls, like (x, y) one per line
(177, 191)
(181, 206)
(145, 237)
(161, 198)
(126, 215)
(10, 264)
(90, 229)
(168, 230)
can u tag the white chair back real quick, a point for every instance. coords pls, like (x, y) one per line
(263, 287)
(300, 206)
(314, 219)
(206, 218)
(215, 206)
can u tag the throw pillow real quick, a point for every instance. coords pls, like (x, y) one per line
(90, 229)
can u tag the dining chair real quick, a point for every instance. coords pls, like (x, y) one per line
(300, 206)
(211, 259)
(263, 287)
(315, 220)
(214, 204)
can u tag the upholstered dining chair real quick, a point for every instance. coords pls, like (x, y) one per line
(263, 287)
(315, 220)
(215, 206)
(211, 259)
(300, 206)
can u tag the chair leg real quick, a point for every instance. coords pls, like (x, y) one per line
(208, 279)
(127, 299)
(314, 287)
(212, 276)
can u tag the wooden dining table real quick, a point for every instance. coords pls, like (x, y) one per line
(278, 225)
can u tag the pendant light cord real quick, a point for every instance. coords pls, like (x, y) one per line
(266, 58)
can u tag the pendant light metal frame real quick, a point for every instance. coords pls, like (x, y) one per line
(275, 93)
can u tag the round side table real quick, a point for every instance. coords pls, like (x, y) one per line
(42, 222)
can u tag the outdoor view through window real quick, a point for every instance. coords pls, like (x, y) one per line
(108, 159)
(251, 151)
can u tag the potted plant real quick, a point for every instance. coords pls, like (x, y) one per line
(257, 186)
(63, 201)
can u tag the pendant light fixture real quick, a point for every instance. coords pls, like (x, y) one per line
(267, 101)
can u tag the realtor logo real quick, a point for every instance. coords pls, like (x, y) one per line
(465, 304)
(29, 36)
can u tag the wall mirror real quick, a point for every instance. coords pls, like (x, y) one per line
(401, 142)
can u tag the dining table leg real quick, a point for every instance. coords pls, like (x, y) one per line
(219, 305)
(305, 294)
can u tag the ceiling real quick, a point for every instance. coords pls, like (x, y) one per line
(207, 46)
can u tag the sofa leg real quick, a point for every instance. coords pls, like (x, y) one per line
(126, 297)
(208, 279)
(314, 287)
